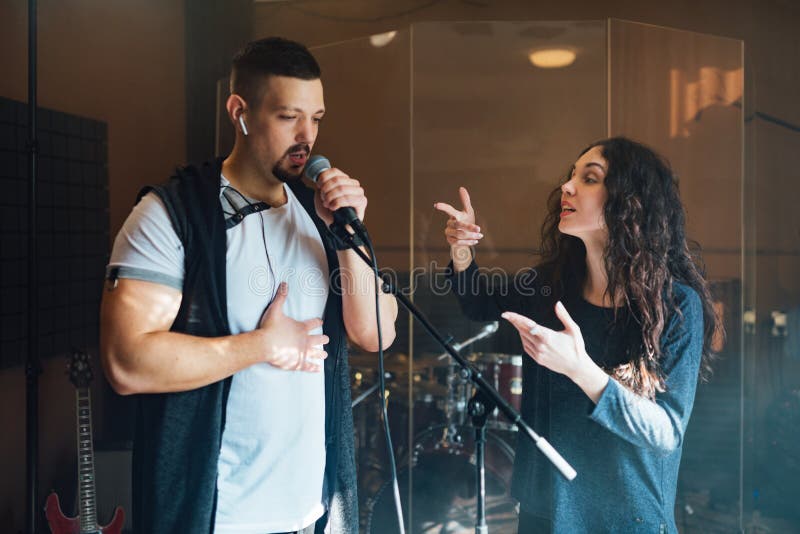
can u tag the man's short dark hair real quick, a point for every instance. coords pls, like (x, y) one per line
(272, 56)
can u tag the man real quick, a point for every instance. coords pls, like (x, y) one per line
(228, 308)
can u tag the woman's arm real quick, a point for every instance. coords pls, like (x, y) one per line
(655, 424)
(661, 423)
(482, 293)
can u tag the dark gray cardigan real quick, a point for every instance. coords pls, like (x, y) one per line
(178, 435)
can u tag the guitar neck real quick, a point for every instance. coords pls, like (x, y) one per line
(86, 488)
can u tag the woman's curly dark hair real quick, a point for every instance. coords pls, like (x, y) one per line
(647, 251)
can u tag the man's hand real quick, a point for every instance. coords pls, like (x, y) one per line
(290, 345)
(337, 190)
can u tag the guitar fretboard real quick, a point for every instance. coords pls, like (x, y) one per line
(86, 487)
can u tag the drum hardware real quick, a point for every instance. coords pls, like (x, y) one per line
(441, 476)
(504, 373)
(388, 376)
(419, 401)
(457, 380)
(443, 436)
(397, 362)
(421, 390)
(486, 331)
(445, 459)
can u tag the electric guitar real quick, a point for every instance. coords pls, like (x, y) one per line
(80, 374)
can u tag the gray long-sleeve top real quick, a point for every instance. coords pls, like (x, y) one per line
(627, 448)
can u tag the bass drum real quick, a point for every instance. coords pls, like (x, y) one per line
(442, 470)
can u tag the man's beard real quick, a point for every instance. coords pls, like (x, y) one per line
(286, 175)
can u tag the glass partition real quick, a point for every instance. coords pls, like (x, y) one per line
(367, 133)
(682, 92)
(416, 114)
(771, 320)
(487, 119)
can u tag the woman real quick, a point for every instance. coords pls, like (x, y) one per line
(617, 320)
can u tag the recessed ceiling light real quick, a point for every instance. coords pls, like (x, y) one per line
(552, 58)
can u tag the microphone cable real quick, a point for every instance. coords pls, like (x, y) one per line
(343, 216)
(381, 377)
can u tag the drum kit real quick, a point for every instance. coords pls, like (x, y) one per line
(434, 443)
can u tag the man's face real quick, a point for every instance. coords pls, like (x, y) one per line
(284, 126)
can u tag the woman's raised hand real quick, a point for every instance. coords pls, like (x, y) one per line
(461, 231)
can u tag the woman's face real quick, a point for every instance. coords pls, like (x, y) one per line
(583, 197)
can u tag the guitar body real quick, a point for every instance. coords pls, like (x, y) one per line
(61, 524)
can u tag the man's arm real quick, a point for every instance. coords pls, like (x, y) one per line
(358, 304)
(141, 355)
(337, 190)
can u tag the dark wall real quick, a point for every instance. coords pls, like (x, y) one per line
(120, 64)
(214, 32)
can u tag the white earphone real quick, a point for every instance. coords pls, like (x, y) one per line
(241, 123)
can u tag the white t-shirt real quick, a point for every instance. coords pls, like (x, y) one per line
(272, 460)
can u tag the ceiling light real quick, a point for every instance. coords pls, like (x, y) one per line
(552, 58)
(382, 39)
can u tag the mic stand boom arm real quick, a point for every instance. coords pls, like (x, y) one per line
(474, 375)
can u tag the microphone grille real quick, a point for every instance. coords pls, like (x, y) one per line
(315, 165)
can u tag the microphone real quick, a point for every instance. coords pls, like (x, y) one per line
(486, 331)
(315, 166)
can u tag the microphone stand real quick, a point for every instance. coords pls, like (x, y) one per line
(490, 396)
(33, 366)
(479, 408)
